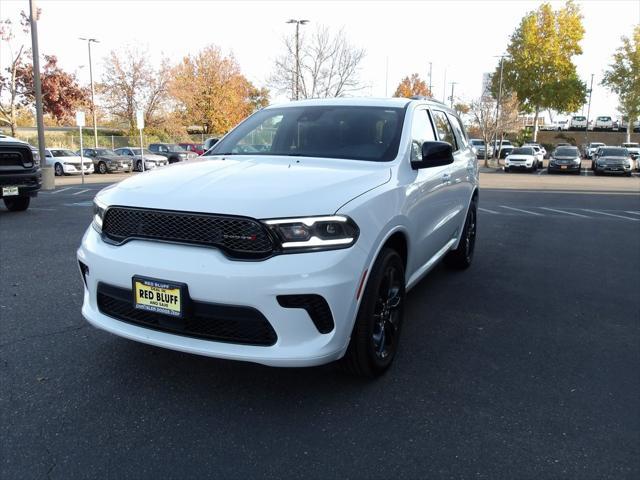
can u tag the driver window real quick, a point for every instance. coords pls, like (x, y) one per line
(421, 131)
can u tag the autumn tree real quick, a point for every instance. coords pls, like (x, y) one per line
(14, 42)
(540, 68)
(130, 82)
(623, 78)
(411, 86)
(329, 65)
(211, 91)
(61, 94)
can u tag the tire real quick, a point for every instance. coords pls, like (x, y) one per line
(102, 168)
(376, 333)
(58, 170)
(506, 169)
(138, 166)
(549, 171)
(461, 257)
(17, 204)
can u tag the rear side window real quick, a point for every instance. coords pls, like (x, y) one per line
(458, 129)
(421, 131)
(443, 127)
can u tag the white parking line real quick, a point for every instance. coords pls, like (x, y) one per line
(632, 212)
(81, 191)
(564, 212)
(61, 190)
(612, 215)
(488, 211)
(521, 210)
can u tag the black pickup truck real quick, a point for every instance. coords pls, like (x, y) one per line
(20, 174)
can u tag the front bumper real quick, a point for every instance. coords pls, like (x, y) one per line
(613, 169)
(212, 278)
(28, 183)
(114, 168)
(564, 167)
(519, 166)
(75, 169)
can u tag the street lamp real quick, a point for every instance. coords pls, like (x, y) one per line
(93, 104)
(297, 82)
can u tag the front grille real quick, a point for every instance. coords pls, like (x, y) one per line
(208, 321)
(237, 236)
(16, 156)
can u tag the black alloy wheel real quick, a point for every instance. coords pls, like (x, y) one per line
(376, 333)
(102, 168)
(462, 256)
(58, 170)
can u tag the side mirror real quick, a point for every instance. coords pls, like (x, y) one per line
(434, 154)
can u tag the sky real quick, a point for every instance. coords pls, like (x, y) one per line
(460, 39)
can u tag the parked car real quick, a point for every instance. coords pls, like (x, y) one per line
(522, 158)
(622, 126)
(20, 174)
(151, 160)
(297, 255)
(171, 151)
(603, 123)
(593, 146)
(504, 148)
(197, 148)
(634, 151)
(578, 122)
(613, 160)
(210, 142)
(67, 162)
(107, 161)
(532, 144)
(565, 159)
(480, 148)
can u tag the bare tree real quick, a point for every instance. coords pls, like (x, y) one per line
(483, 111)
(329, 65)
(131, 83)
(9, 89)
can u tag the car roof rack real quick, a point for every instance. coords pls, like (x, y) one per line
(424, 97)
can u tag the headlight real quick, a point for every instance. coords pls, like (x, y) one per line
(577, 160)
(98, 214)
(314, 233)
(36, 157)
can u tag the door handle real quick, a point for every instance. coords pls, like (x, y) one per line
(446, 178)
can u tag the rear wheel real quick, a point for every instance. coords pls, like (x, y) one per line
(461, 257)
(376, 333)
(17, 204)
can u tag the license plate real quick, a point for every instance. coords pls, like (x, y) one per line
(159, 296)
(9, 191)
(563, 167)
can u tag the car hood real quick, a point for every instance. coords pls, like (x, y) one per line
(153, 157)
(253, 186)
(565, 157)
(71, 159)
(114, 158)
(611, 158)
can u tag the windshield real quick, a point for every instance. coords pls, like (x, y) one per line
(579, 119)
(597, 144)
(567, 152)
(63, 153)
(136, 151)
(104, 151)
(522, 151)
(346, 132)
(477, 143)
(613, 152)
(630, 145)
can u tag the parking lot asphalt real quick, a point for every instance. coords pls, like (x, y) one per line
(524, 366)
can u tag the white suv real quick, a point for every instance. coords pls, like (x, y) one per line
(294, 241)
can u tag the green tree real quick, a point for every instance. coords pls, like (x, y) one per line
(540, 68)
(623, 78)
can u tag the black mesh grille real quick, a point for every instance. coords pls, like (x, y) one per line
(235, 235)
(315, 305)
(222, 323)
(16, 156)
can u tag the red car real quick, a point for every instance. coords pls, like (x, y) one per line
(193, 147)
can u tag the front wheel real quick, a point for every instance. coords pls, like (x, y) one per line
(139, 166)
(102, 168)
(58, 170)
(17, 204)
(376, 333)
(461, 257)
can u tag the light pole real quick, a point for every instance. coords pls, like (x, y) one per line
(93, 104)
(499, 99)
(36, 80)
(430, 84)
(453, 84)
(297, 83)
(586, 130)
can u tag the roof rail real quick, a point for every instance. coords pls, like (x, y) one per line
(424, 97)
